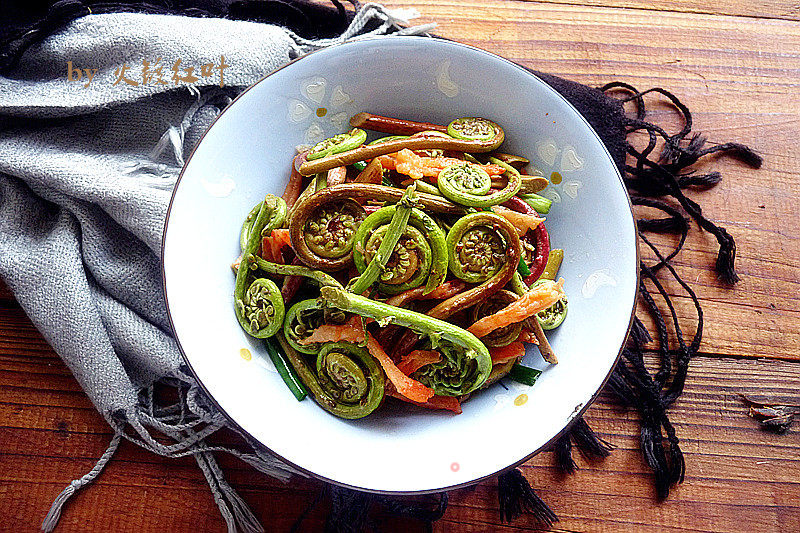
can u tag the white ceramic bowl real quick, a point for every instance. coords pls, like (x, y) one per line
(248, 152)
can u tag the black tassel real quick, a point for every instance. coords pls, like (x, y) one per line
(639, 333)
(587, 441)
(663, 177)
(349, 510)
(699, 181)
(563, 451)
(516, 496)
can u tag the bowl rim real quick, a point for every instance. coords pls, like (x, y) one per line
(577, 413)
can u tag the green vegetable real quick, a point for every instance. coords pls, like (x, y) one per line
(337, 144)
(320, 181)
(472, 129)
(345, 380)
(258, 303)
(394, 231)
(523, 267)
(477, 247)
(539, 203)
(422, 237)
(466, 359)
(286, 371)
(301, 320)
(296, 270)
(360, 165)
(244, 235)
(553, 316)
(469, 184)
(524, 374)
(423, 186)
(554, 260)
(387, 138)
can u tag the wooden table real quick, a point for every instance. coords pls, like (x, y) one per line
(737, 65)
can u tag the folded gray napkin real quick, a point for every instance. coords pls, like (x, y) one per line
(89, 155)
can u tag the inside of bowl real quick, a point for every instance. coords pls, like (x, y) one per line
(248, 152)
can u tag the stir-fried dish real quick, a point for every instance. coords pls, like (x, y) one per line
(415, 266)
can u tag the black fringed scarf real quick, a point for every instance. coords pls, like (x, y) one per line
(654, 182)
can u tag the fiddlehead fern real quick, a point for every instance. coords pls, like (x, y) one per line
(466, 356)
(420, 253)
(330, 229)
(244, 235)
(337, 196)
(477, 250)
(337, 144)
(502, 336)
(455, 374)
(473, 129)
(258, 303)
(480, 142)
(468, 184)
(303, 318)
(345, 380)
(498, 269)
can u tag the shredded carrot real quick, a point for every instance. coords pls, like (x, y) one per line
(410, 388)
(271, 245)
(506, 353)
(417, 166)
(527, 336)
(387, 161)
(537, 299)
(449, 403)
(352, 331)
(417, 359)
(443, 291)
(521, 221)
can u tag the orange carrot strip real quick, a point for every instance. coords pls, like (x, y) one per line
(266, 249)
(521, 221)
(272, 244)
(537, 299)
(387, 161)
(527, 336)
(443, 291)
(417, 359)
(353, 332)
(417, 166)
(410, 388)
(506, 353)
(450, 403)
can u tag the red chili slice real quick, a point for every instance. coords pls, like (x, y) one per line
(538, 238)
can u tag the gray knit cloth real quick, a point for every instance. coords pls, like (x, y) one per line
(86, 174)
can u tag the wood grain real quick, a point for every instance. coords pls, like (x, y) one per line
(50, 433)
(737, 65)
(780, 9)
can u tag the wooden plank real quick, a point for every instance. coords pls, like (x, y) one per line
(741, 77)
(51, 436)
(780, 9)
